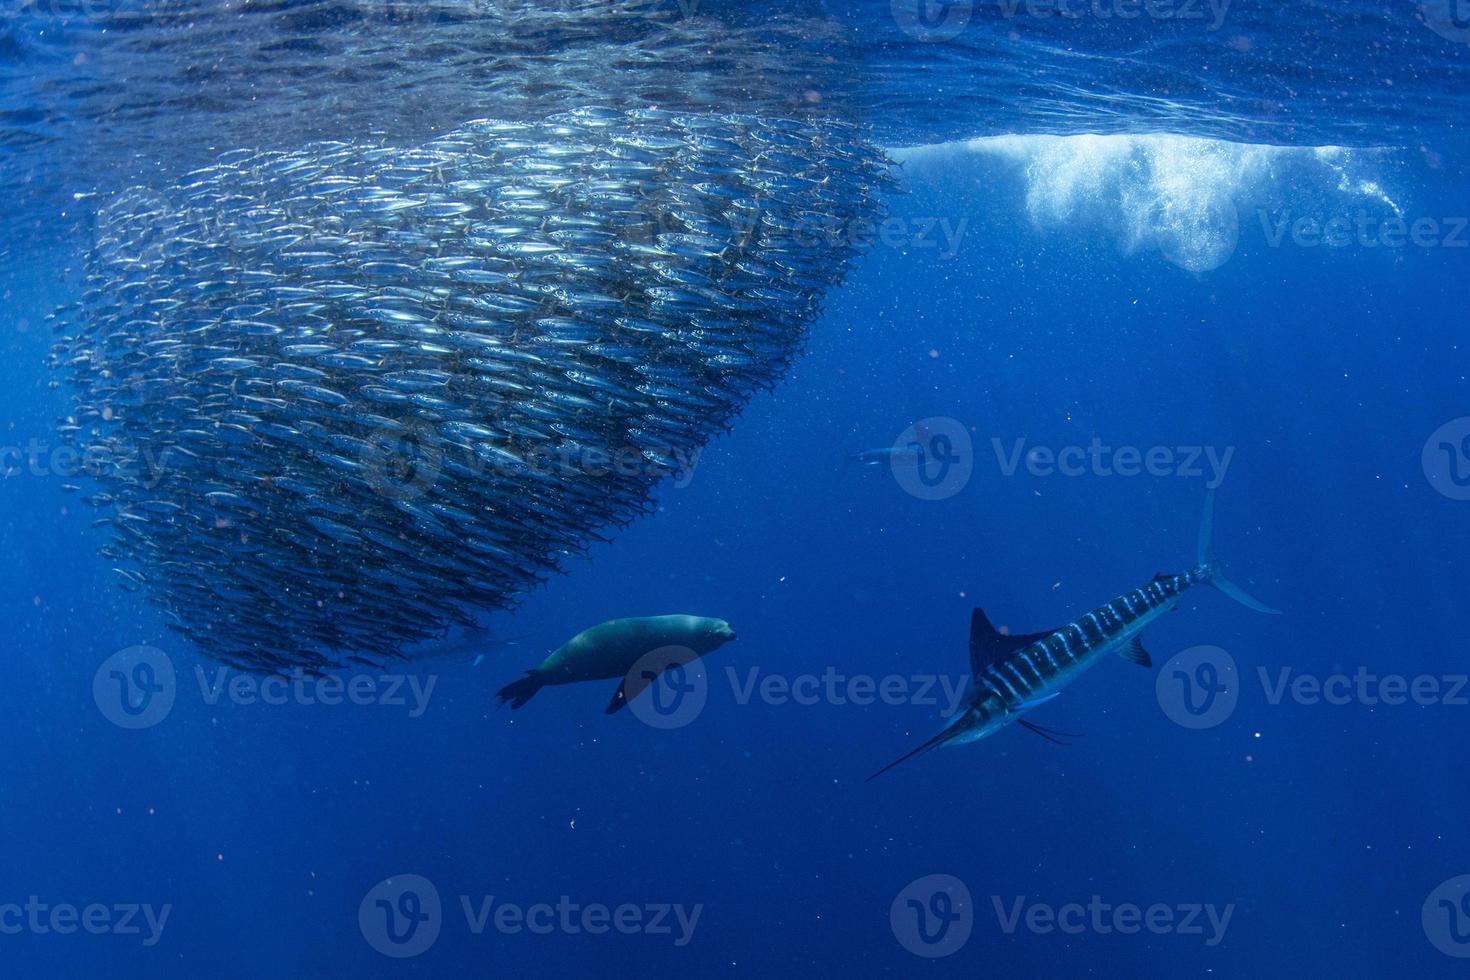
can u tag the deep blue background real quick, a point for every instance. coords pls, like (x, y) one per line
(1326, 826)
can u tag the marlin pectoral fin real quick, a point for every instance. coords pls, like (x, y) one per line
(1028, 705)
(1134, 653)
(1055, 737)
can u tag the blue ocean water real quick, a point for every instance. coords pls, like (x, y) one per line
(1169, 289)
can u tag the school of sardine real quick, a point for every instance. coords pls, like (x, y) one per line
(339, 399)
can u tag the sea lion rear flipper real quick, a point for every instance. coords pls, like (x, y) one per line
(521, 691)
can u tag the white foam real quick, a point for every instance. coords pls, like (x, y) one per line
(1183, 196)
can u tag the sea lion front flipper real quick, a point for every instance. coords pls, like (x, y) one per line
(641, 678)
(619, 698)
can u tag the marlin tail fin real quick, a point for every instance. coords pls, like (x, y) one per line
(1205, 557)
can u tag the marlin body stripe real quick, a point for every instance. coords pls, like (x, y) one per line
(1014, 674)
(1041, 669)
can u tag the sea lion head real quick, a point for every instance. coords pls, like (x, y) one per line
(719, 633)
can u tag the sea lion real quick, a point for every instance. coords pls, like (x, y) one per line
(613, 648)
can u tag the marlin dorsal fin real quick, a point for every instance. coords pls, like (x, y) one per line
(989, 645)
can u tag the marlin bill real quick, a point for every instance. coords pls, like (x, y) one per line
(1013, 674)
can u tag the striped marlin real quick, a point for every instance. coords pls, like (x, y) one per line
(1014, 673)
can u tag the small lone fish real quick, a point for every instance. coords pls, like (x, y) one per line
(614, 648)
(1013, 674)
(878, 457)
